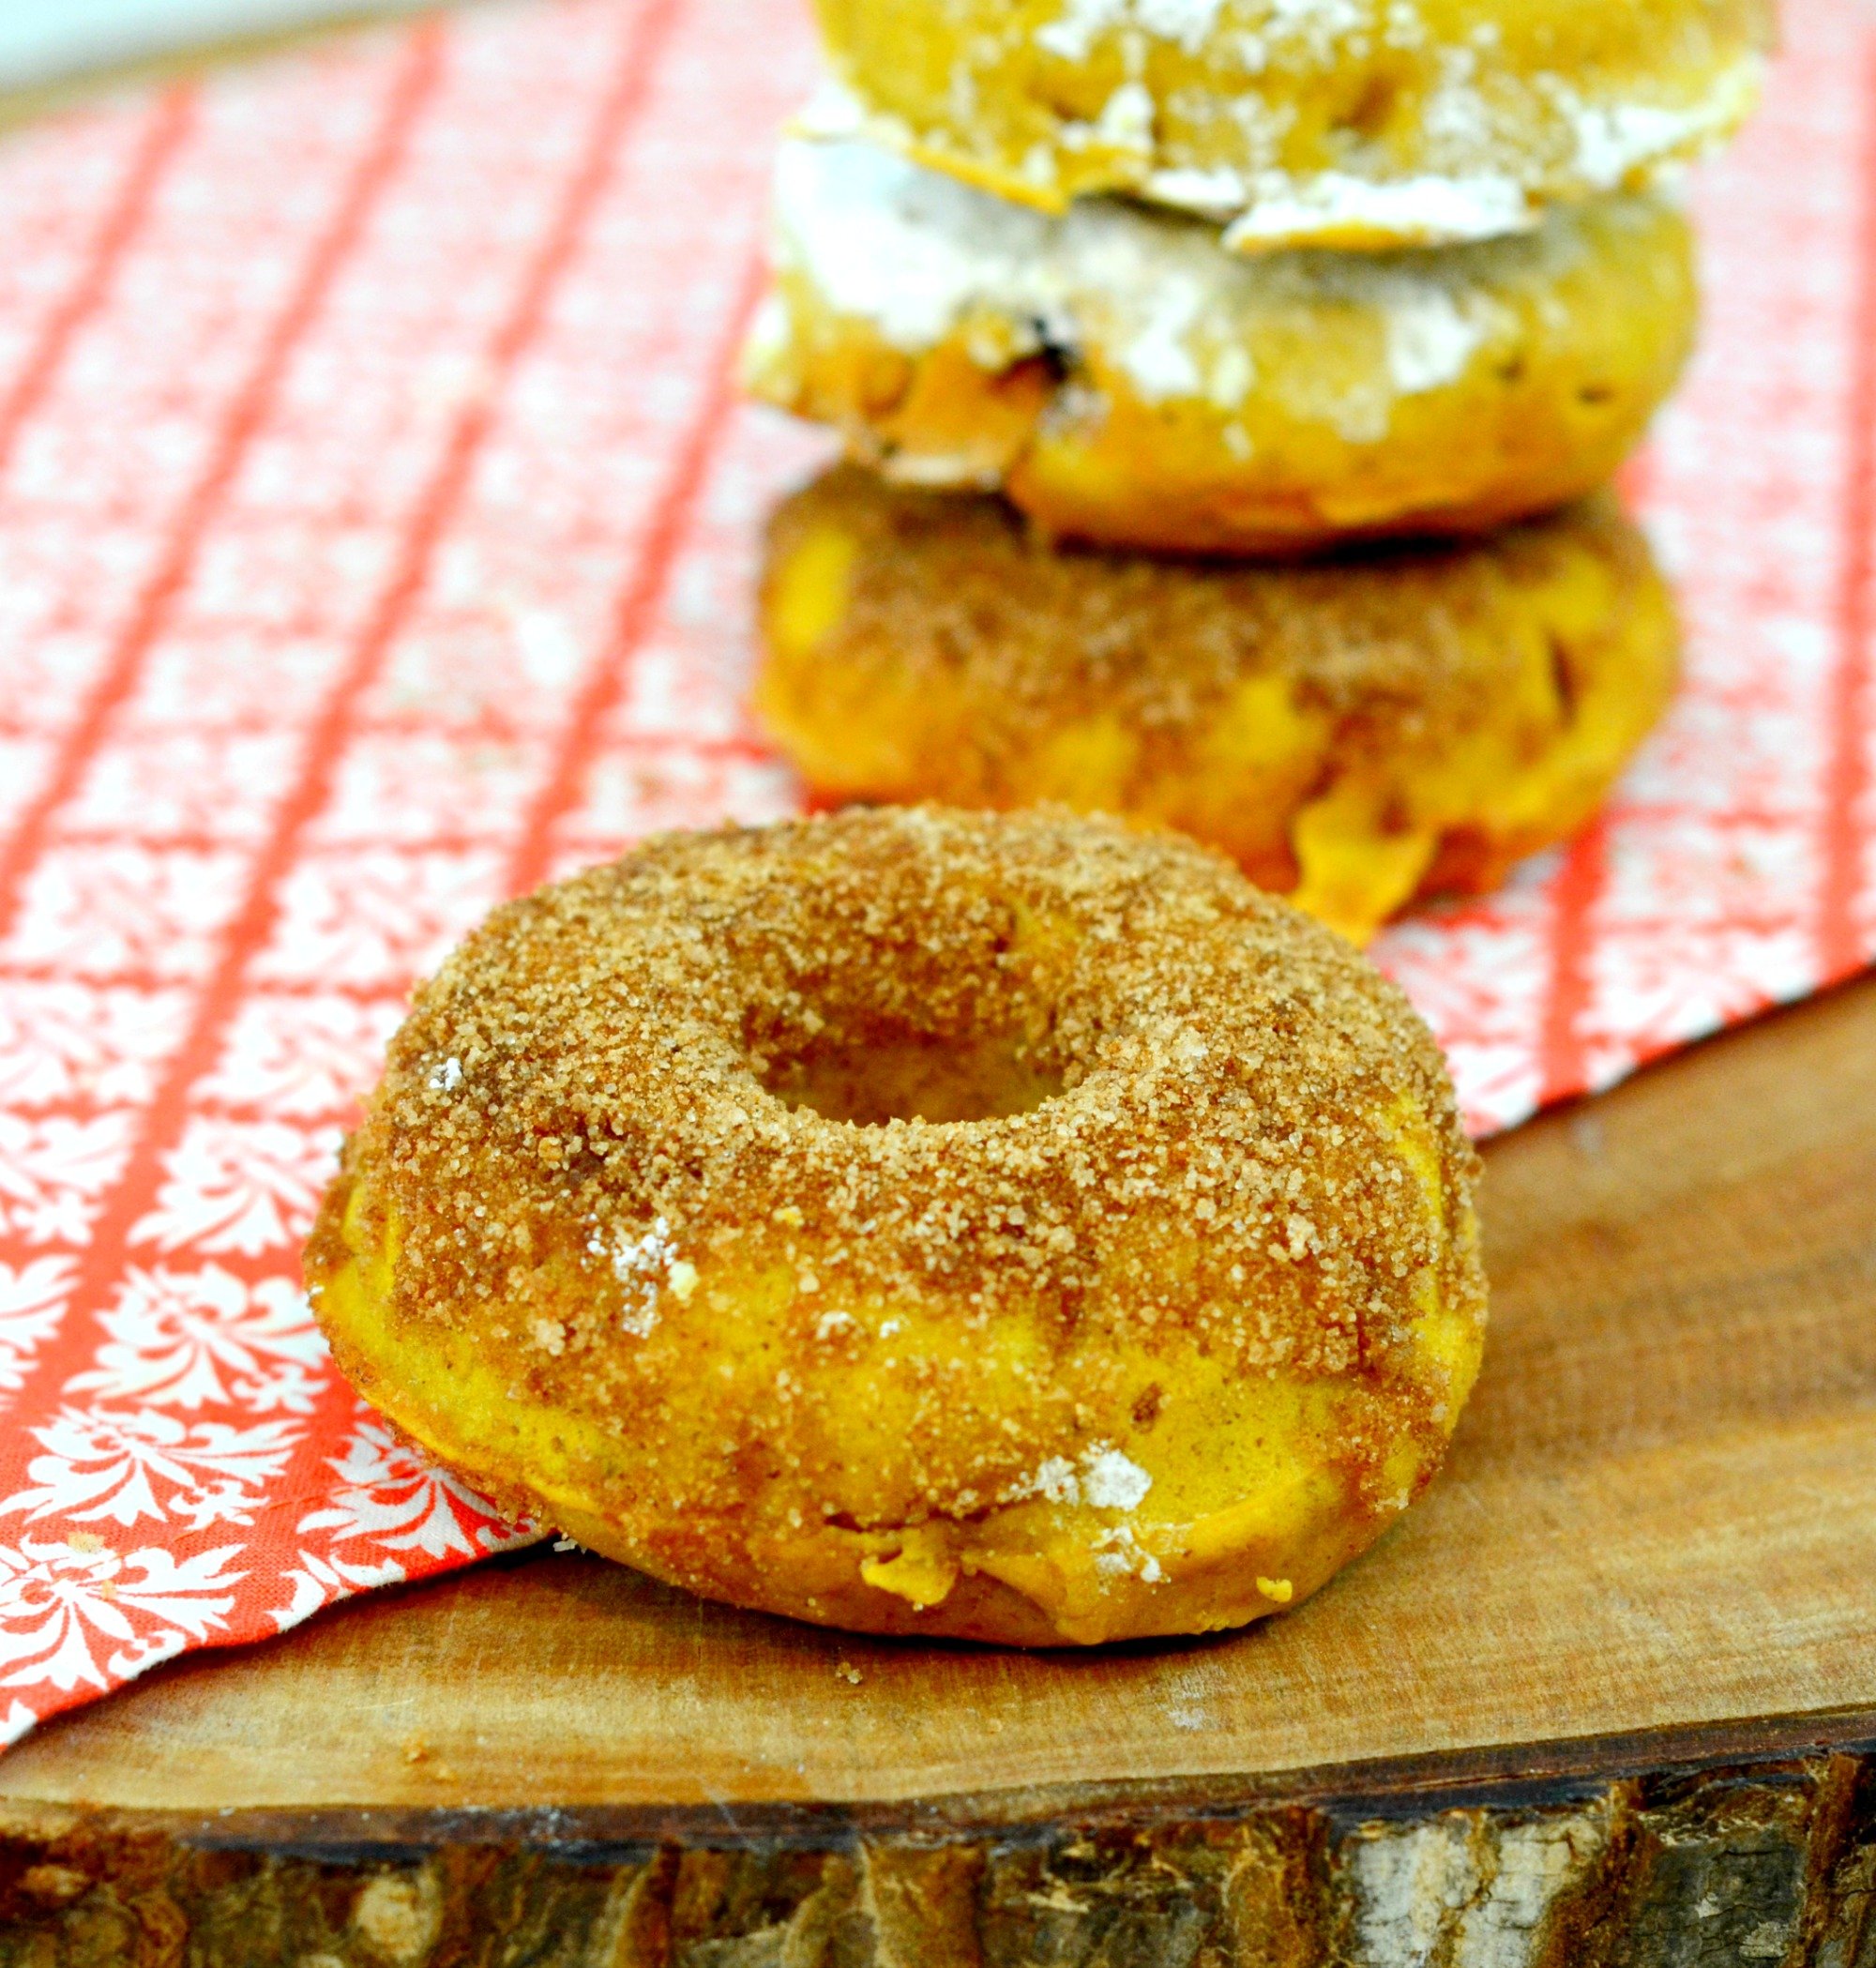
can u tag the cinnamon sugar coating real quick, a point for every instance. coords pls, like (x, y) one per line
(1401, 721)
(1015, 1227)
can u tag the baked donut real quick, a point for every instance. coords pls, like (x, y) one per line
(1126, 380)
(1357, 123)
(1355, 732)
(1015, 1228)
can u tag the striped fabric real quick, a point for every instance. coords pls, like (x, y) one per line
(377, 523)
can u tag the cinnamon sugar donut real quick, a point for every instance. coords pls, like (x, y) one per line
(1017, 1229)
(1399, 722)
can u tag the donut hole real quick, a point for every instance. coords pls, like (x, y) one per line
(892, 1073)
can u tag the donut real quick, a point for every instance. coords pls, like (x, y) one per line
(1008, 1228)
(1342, 123)
(1126, 380)
(1408, 721)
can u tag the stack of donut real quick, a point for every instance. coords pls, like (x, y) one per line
(1230, 389)
(1015, 1226)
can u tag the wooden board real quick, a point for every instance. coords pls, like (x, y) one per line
(1607, 1699)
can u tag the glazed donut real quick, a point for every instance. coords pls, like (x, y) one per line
(1127, 381)
(1011, 1228)
(1359, 123)
(1354, 733)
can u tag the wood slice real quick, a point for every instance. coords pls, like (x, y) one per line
(1608, 1694)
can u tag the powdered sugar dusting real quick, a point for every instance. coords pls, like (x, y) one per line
(1111, 1482)
(918, 256)
(1104, 1481)
(1431, 338)
(1427, 210)
(1616, 140)
(1081, 23)
(1119, 1555)
(909, 250)
(646, 1265)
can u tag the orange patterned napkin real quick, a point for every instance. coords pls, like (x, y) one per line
(377, 523)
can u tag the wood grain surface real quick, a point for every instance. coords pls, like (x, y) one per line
(1659, 1520)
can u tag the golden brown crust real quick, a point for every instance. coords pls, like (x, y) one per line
(578, 1181)
(1455, 706)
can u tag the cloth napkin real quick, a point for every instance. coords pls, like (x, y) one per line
(377, 524)
(51, 42)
